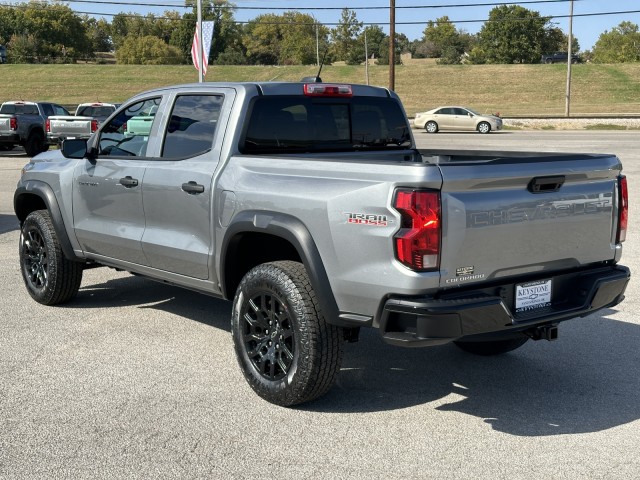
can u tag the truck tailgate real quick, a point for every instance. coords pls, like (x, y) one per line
(519, 214)
(5, 123)
(70, 126)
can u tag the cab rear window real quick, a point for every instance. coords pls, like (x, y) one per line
(294, 124)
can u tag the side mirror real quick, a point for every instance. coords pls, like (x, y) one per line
(77, 148)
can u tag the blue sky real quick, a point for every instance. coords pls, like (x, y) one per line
(586, 28)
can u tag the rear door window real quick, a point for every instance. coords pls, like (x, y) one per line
(192, 126)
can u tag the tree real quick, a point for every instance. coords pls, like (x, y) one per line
(375, 41)
(299, 39)
(620, 45)
(56, 29)
(402, 45)
(441, 34)
(345, 34)
(147, 50)
(513, 34)
(441, 39)
(98, 34)
(263, 39)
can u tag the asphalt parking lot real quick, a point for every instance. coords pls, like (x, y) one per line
(135, 379)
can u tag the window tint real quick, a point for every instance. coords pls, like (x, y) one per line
(58, 110)
(192, 125)
(301, 124)
(47, 109)
(127, 134)
(95, 111)
(460, 111)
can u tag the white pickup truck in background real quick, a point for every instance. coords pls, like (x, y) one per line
(87, 119)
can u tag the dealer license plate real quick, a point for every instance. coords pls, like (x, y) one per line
(533, 295)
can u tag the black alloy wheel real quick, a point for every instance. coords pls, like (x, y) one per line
(286, 350)
(268, 335)
(49, 276)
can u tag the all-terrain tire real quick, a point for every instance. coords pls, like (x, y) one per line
(49, 276)
(287, 352)
(494, 347)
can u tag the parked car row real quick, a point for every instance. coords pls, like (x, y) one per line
(37, 125)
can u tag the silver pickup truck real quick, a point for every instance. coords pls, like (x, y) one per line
(82, 124)
(309, 206)
(23, 123)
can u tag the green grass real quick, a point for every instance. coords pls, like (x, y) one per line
(512, 90)
(608, 126)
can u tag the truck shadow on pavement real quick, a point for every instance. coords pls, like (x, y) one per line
(143, 293)
(587, 381)
(8, 223)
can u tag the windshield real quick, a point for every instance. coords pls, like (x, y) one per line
(309, 124)
(473, 111)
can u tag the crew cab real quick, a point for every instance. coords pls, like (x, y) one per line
(309, 206)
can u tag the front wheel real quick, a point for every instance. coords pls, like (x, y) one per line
(484, 127)
(49, 276)
(494, 347)
(431, 127)
(288, 353)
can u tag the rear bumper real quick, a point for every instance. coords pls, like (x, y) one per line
(489, 311)
(11, 138)
(53, 139)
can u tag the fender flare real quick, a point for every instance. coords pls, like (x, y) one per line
(292, 230)
(45, 193)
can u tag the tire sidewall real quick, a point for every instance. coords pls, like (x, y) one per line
(36, 221)
(264, 280)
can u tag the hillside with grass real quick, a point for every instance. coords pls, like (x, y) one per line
(512, 90)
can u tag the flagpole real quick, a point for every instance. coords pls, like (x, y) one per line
(200, 45)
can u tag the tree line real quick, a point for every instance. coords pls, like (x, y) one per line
(39, 32)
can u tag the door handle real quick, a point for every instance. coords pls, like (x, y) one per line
(192, 187)
(129, 182)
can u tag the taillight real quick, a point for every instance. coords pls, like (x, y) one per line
(327, 90)
(13, 123)
(94, 125)
(418, 240)
(47, 125)
(623, 209)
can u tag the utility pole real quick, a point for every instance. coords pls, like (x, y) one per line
(366, 57)
(317, 47)
(392, 42)
(567, 108)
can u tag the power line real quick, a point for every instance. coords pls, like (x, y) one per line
(235, 7)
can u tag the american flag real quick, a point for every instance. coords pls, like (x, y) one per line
(207, 35)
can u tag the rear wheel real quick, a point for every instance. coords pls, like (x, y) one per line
(288, 353)
(494, 347)
(35, 143)
(431, 127)
(484, 127)
(49, 277)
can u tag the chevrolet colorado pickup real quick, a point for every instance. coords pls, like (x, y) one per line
(309, 206)
(23, 123)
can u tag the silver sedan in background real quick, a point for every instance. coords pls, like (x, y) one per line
(456, 118)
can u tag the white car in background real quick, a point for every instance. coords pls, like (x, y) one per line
(456, 118)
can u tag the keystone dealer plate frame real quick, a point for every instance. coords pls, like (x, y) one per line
(533, 295)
